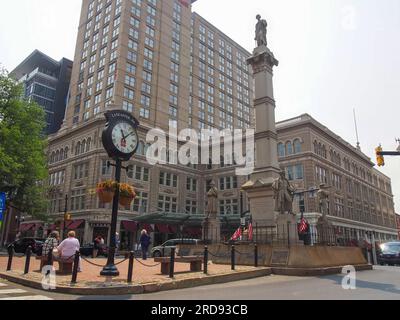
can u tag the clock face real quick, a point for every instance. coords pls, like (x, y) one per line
(124, 137)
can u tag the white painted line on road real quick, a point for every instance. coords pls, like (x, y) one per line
(12, 291)
(27, 298)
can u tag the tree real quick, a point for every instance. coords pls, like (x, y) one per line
(23, 167)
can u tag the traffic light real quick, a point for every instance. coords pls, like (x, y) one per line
(379, 158)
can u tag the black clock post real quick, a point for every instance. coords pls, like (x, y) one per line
(116, 143)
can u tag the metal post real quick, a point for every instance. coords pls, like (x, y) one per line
(288, 234)
(65, 213)
(256, 255)
(205, 260)
(130, 268)
(28, 259)
(110, 270)
(233, 258)
(172, 263)
(10, 257)
(76, 267)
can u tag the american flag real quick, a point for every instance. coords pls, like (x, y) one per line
(237, 234)
(303, 225)
(251, 233)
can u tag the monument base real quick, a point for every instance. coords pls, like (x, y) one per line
(286, 225)
(211, 231)
(326, 232)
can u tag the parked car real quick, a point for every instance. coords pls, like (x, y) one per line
(389, 253)
(87, 250)
(165, 249)
(21, 245)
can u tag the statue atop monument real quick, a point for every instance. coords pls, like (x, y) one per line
(284, 194)
(212, 200)
(261, 31)
(323, 198)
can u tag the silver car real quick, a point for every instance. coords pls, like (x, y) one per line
(165, 249)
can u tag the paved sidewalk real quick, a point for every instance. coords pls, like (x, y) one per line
(147, 276)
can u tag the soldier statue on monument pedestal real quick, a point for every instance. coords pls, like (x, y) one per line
(284, 194)
(261, 32)
(211, 224)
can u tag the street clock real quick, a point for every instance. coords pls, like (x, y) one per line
(120, 137)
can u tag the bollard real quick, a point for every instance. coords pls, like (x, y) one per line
(256, 255)
(130, 268)
(233, 257)
(172, 263)
(28, 259)
(205, 260)
(10, 257)
(76, 267)
(50, 258)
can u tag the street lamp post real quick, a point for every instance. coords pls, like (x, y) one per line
(65, 215)
(110, 270)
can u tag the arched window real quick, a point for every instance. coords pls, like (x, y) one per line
(66, 152)
(62, 156)
(83, 147)
(316, 147)
(89, 142)
(289, 148)
(324, 151)
(57, 156)
(281, 150)
(297, 146)
(209, 166)
(52, 158)
(141, 148)
(78, 148)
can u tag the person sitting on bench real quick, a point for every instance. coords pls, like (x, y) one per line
(69, 247)
(51, 243)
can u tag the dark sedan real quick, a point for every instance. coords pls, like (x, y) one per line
(21, 245)
(389, 253)
(87, 251)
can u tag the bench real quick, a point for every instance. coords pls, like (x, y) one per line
(64, 266)
(195, 263)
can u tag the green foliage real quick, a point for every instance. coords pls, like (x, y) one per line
(22, 159)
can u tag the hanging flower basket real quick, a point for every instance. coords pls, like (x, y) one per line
(126, 194)
(106, 190)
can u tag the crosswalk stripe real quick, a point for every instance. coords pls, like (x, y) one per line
(11, 291)
(27, 298)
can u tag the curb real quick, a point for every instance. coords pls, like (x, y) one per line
(315, 272)
(145, 288)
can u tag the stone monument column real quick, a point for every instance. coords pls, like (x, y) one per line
(259, 188)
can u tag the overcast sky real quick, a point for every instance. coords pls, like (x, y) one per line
(335, 55)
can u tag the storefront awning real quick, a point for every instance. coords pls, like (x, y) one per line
(26, 227)
(162, 228)
(129, 226)
(75, 224)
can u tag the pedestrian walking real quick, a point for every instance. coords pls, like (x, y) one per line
(145, 241)
(96, 246)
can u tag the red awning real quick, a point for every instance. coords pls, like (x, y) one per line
(173, 229)
(129, 226)
(75, 224)
(162, 228)
(147, 227)
(26, 227)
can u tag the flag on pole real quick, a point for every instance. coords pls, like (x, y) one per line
(237, 234)
(303, 225)
(251, 234)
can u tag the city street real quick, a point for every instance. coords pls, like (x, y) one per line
(383, 283)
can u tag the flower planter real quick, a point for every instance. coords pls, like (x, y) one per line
(125, 201)
(106, 196)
